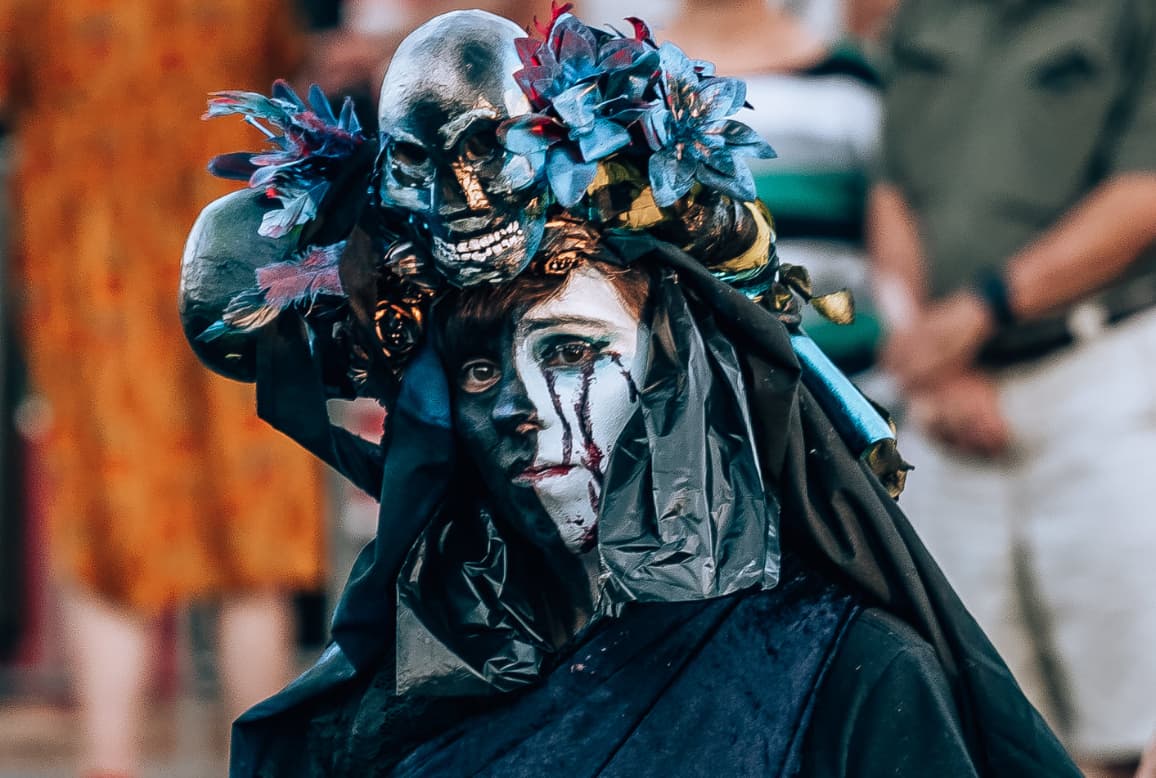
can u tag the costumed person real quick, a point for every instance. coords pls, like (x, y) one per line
(159, 486)
(1021, 287)
(632, 521)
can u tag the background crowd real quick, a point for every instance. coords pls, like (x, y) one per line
(981, 174)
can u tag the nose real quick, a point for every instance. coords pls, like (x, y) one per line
(459, 192)
(513, 412)
(448, 196)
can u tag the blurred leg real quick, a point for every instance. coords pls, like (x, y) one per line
(255, 647)
(1091, 531)
(111, 652)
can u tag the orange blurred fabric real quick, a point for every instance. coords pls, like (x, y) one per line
(163, 485)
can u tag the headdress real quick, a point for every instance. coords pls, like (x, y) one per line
(625, 135)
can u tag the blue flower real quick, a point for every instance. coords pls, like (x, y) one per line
(587, 85)
(691, 137)
(568, 56)
(310, 151)
(590, 88)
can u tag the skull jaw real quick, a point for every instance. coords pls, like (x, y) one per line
(495, 253)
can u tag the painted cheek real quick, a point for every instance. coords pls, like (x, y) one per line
(612, 402)
(546, 390)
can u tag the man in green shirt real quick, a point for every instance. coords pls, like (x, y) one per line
(1013, 237)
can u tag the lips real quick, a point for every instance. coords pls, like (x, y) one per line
(534, 474)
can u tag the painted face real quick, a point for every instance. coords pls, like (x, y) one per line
(542, 413)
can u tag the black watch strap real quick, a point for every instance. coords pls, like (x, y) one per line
(992, 288)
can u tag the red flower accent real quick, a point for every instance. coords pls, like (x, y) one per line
(555, 11)
(641, 30)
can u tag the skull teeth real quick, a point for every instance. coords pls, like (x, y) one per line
(480, 248)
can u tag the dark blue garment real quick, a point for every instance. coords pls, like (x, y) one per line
(667, 689)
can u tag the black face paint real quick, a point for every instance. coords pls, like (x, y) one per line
(496, 430)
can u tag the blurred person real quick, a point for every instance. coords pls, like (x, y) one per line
(1012, 236)
(162, 486)
(867, 20)
(354, 39)
(819, 101)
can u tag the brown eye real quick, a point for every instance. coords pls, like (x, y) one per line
(480, 145)
(569, 353)
(478, 375)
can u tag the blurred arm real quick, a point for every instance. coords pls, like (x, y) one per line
(1093, 244)
(899, 276)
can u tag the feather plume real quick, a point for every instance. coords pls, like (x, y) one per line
(311, 283)
(310, 147)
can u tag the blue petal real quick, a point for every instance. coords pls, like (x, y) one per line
(319, 104)
(676, 64)
(263, 176)
(760, 150)
(670, 177)
(569, 176)
(634, 81)
(703, 67)
(575, 107)
(740, 186)
(521, 139)
(285, 93)
(348, 120)
(721, 161)
(735, 133)
(602, 140)
(656, 126)
(278, 222)
(519, 171)
(718, 98)
(707, 142)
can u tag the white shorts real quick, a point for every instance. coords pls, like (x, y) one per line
(1053, 547)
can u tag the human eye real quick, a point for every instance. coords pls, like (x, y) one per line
(478, 375)
(569, 352)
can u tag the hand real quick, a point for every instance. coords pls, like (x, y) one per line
(943, 339)
(963, 412)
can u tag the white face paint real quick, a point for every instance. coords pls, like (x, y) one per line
(578, 354)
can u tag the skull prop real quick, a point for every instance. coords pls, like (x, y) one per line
(449, 86)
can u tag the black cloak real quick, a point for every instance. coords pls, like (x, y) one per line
(826, 508)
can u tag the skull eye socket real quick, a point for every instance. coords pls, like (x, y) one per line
(410, 154)
(480, 145)
(411, 163)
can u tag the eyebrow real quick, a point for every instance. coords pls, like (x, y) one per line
(534, 324)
